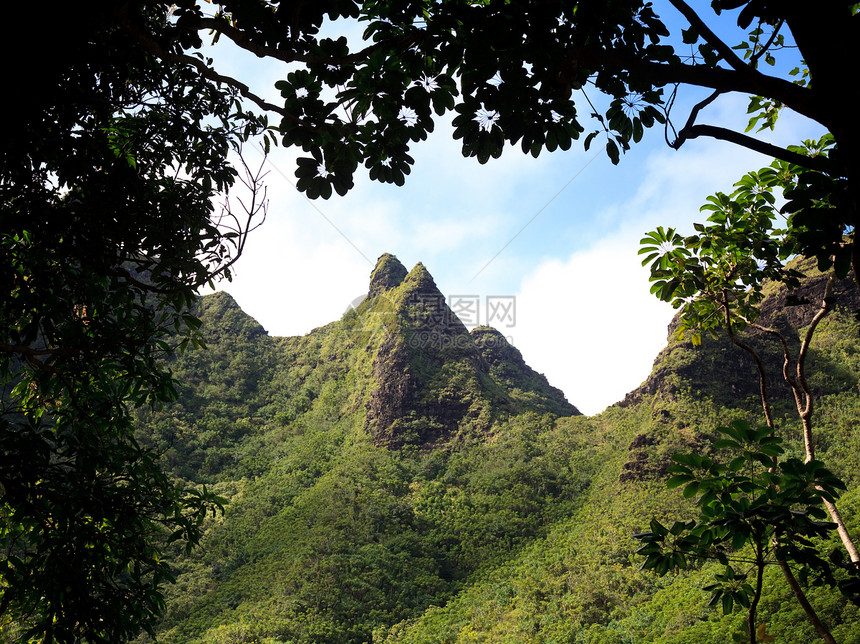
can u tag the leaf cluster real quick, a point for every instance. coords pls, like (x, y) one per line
(506, 73)
(715, 276)
(758, 499)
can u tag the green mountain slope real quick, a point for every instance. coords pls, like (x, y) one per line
(373, 467)
(395, 478)
(582, 583)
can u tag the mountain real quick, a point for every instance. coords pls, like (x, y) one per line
(393, 477)
(430, 377)
(728, 374)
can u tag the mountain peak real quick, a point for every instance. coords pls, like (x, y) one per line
(419, 281)
(387, 274)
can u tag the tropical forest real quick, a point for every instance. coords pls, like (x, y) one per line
(392, 477)
(171, 472)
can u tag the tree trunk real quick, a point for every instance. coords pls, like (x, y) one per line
(828, 38)
(820, 628)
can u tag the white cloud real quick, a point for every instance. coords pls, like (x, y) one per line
(588, 321)
(297, 289)
(590, 324)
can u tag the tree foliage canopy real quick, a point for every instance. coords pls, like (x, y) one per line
(112, 159)
(538, 75)
(107, 226)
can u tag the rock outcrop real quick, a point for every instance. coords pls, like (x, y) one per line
(387, 274)
(728, 372)
(431, 378)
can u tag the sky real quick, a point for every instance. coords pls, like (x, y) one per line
(557, 237)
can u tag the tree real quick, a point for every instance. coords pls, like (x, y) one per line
(716, 279)
(108, 170)
(118, 141)
(540, 75)
(760, 509)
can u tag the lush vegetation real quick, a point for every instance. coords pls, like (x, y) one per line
(108, 228)
(518, 529)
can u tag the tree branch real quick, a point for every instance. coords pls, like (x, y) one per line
(242, 88)
(822, 164)
(151, 46)
(820, 627)
(691, 120)
(826, 307)
(749, 81)
(804, 403)
(710, 37)
(758, 54)
(240, 39)
(30, 352)
(759, 582)
(762, 378)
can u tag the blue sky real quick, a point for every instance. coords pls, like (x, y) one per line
(558, 233)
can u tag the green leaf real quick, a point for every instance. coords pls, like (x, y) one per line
(677, 481)
(726, 443)
(715, 597)
(658, 528)
(691, 490)
(738, 464)
(612, 152)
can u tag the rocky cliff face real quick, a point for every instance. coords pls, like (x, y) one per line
(681, 367)
(431, 378)
(726, 376)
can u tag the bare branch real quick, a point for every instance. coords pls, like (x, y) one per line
(804, 403)
(820, 163)
(826, 307)
(691, 120)
(822, 630)
(725, 304)
(710, 37)
(786, 353)
(259, 203)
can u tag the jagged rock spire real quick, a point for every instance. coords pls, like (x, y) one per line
(387, 274)
(420, 281)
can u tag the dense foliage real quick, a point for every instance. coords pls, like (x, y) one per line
(521, 531)
(107, 226)
(328, 535)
